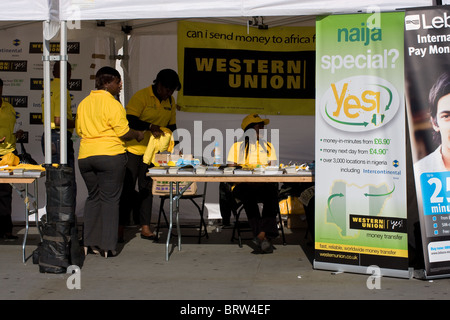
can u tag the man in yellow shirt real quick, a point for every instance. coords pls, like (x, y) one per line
(7, 145)
(149, 109)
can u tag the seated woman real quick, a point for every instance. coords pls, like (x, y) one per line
(251, 151)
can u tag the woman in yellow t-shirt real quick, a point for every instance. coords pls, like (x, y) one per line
(103, 127)
(252, 151)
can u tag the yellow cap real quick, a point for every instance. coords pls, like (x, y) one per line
(253, 118)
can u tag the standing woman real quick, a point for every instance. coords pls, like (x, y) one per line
(103, 127)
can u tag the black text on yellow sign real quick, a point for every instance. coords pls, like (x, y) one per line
(247, 73)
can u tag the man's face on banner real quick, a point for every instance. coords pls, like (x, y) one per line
(442, 123)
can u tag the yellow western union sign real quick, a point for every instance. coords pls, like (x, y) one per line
(233, 69)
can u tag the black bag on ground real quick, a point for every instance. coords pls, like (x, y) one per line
(53, 252)
(60, 247)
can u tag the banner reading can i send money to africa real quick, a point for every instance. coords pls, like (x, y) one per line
(360, 213)
(235, 69)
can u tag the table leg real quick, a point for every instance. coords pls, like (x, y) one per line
(177, 208)
(169, 233)
(27, 208)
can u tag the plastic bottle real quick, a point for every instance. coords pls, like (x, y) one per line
(217, 157)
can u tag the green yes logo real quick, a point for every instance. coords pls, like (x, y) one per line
(359, 103)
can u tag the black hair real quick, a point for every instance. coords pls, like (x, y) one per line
(168, 78)
(440, 88)
(104, 76)
(250, 137)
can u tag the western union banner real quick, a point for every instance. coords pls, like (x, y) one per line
(235, 69)
(360, 208)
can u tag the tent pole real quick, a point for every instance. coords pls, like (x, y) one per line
(47, 115)
(63, 76)
(125, 67)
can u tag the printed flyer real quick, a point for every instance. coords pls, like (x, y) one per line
(360, 208)
(427, 76)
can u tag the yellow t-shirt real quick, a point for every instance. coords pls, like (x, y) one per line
(55, 101)
(256, 154)
(7, 123)
(144, 105)
(101, 121)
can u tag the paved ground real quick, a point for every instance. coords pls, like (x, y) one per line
(215, 270)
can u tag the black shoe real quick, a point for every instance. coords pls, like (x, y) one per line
(152, 237)
(266, 246)
(110, 253)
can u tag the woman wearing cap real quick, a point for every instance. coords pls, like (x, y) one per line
(149, 109)
(252, 151)
(103, 127)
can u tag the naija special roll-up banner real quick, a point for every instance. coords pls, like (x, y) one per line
(238, 69)
(427, 57)
(360, 207)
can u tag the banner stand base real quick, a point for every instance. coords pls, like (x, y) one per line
(422, 275)
(335, 267)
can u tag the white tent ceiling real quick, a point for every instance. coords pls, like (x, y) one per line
(41, 10)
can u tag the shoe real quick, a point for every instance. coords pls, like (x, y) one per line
(266, 246)
(110, 253)
(93, 250)
(151, 237)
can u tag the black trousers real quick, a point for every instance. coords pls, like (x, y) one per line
(136, 170)
(5, 208)
(103, 176)
(266, 193)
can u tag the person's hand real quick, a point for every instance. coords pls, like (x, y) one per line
(156, 131)
(139, 136)
(19, 134)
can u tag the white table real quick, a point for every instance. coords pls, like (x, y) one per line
(192, 177)
(30, 199)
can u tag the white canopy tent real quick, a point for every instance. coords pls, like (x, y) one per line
(156, 16)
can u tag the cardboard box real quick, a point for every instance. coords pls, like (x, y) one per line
(291, 205)
(295, 221)
(163, 188)
(162, 159)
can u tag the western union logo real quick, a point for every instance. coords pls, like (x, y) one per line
(13, 65)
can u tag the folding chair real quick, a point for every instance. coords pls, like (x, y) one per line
(240, 226)
(203, 232)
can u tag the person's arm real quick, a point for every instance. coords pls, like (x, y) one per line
(133, 134)
(137, 124)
